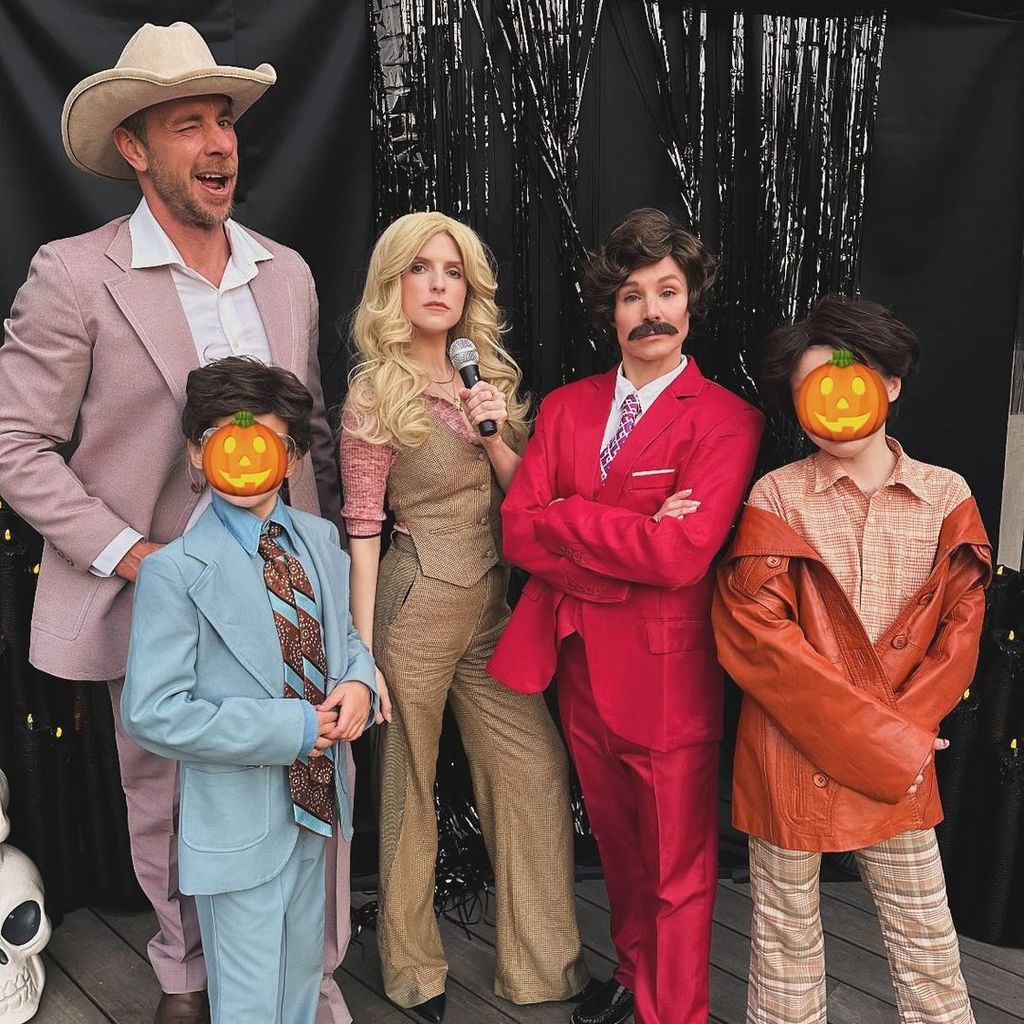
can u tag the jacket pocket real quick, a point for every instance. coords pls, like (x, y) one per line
(224, 810)
(803, 796)
(688, 633)
(59, 617)
(651, 479)
(399, 572)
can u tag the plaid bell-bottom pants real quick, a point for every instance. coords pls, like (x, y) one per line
(787, 949)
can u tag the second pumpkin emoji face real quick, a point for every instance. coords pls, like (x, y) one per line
(842, 400)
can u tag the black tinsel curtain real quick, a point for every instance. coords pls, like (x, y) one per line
(767, 122)
(506, 114)
(764, 120)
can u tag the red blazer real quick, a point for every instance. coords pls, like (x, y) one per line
(645, 588)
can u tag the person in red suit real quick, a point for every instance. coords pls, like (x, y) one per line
(626, 492)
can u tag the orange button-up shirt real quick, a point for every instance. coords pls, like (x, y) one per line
(881, 548)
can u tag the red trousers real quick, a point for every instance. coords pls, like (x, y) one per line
(654, 816)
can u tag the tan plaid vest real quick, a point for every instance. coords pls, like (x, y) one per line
(445, 493)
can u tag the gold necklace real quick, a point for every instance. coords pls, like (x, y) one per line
(454, 400)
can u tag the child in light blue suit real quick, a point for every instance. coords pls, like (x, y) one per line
(206, 685)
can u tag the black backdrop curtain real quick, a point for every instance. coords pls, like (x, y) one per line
(487, 129)
(943, 230)
(304, 176)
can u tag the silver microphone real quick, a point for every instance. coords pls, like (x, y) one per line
(465, 358)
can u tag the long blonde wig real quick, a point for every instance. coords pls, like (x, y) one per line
(386, 385)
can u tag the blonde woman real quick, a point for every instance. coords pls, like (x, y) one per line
(433, 608)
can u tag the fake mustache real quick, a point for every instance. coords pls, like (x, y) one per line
(645, 330)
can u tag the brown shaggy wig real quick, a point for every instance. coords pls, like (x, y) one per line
(641, 238)
(227, 386)
(868, 330)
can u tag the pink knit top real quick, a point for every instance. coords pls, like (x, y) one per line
(365, 468)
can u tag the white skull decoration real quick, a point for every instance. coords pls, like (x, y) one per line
(24, 928)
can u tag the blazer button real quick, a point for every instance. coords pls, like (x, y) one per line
(483, 487)
(488, 554)
(484, 520)
(899, 642)
(772, 561)
(820, 779)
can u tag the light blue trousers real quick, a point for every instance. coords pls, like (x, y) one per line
(264, 946)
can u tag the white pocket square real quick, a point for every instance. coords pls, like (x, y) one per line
(651, 472)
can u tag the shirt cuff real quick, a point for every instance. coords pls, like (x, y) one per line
(374, 705)
(355, 527)
(310, 730)
(107, 560)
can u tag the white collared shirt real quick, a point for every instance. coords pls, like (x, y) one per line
(647, 396)
(224, 320)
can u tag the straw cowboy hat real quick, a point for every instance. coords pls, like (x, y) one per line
(158, 63)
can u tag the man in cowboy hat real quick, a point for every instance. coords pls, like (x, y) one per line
(100, 341)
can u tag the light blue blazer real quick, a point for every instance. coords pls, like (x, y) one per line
(205, 685)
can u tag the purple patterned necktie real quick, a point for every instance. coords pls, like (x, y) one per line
(627, 417)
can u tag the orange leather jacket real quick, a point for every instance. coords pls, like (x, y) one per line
(834, 729)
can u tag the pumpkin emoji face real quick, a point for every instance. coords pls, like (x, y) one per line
(842, 400)
(244, 457)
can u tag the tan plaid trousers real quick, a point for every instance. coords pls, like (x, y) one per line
(787, 948)
(432, 641)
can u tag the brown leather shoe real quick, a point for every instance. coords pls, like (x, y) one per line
(183, 1008)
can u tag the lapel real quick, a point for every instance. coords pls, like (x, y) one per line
(329, 567)
(245, 627)
(149, 301)
(272, 290)
(668, 407)
(595, 408)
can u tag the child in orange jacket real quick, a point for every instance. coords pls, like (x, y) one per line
(848, 610)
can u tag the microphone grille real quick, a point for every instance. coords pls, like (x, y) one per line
(462, 352)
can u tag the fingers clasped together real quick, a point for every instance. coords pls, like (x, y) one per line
(342, 715)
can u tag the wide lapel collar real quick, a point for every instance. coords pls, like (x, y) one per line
(272, 290)
(149, 301)
(246, 627)
(595, 407)
(329, 568)
(661, 415)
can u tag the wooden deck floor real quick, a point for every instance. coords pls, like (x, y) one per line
(97, 971)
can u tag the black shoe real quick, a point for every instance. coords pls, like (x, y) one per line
(592, 988)
(612, 1003)
(432, 1010)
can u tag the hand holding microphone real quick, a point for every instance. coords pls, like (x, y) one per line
(486, 399)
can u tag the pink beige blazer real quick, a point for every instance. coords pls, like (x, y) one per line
(98, 353)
